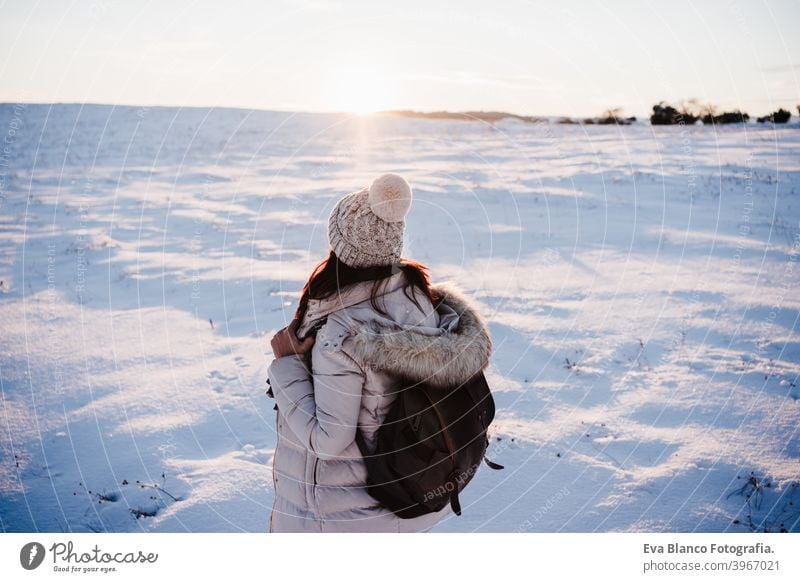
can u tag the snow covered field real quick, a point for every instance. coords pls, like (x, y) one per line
(641, 285)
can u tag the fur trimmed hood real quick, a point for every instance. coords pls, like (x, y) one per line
(442, 356)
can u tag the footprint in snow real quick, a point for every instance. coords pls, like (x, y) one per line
(217, 375)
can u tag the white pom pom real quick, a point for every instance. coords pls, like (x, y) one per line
(390, 197)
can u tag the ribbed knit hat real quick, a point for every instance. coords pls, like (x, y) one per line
(366, 227)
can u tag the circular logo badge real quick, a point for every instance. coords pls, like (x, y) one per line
(31, 555)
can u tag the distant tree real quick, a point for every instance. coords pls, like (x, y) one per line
(664, 114)
(613, 117)
(779, 116)
(708, 109)
(725, 118)
(690, 111)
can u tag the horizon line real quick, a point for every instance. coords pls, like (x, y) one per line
(423, 111)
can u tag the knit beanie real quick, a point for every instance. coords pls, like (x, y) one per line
(366, 227)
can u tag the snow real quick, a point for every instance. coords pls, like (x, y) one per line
(640, 285)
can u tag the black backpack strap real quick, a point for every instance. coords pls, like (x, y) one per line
(362, 445)
(492, 464)
(315, 327)
(371, 461)
(270, 394)
(454, 502)
(453, 478)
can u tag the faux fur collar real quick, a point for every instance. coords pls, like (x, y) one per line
(438, 357)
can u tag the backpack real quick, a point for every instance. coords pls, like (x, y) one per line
(429, 447)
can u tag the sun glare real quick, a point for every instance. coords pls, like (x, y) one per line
(362, 90)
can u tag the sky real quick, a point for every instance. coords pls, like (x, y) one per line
(536, 58)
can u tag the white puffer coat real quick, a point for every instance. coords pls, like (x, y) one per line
(318, 470)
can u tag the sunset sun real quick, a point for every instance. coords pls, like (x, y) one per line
(361, 89)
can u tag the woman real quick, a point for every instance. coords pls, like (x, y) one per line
(367, 322)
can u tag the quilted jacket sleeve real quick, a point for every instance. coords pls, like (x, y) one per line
(320, 405)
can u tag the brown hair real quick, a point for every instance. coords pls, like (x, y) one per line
(332, 276)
